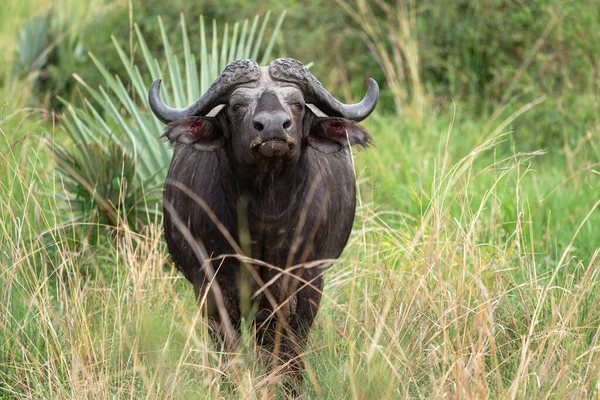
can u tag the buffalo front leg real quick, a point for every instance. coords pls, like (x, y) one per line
(308, 288)
(287, 333)
(221, 302)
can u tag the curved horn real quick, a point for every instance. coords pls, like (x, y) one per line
(235, 73)
(291, 70)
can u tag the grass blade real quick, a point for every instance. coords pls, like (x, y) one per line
(267, 53)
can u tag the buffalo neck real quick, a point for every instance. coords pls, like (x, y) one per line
(273, 188)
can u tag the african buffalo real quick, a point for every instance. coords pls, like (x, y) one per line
(260, 195)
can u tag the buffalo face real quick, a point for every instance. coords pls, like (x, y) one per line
(260, 115)
(267, 121)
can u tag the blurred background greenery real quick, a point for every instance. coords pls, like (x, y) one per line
(477, 53)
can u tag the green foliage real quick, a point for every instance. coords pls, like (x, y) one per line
(496, 37)
(49, 49)
(497, 51)
(118, 191)
(32, 43)
(115, 21)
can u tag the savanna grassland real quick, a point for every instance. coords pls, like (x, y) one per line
(473, 266)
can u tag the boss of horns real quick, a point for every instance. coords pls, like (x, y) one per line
(246, 71)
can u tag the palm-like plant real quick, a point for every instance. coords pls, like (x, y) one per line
(115, 171)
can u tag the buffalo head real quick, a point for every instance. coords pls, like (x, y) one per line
(267, 114)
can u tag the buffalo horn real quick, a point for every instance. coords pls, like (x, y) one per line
(236, 72)
(291, 70)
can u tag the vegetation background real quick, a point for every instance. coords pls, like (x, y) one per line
(474, 264)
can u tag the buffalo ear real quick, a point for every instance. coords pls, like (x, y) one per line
(202, 133)
(330, 135)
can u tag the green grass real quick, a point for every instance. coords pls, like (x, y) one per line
(471, 272)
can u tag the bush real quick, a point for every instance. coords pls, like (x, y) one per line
(494, 52)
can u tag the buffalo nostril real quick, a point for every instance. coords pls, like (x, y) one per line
(257, 125)
(287, 124)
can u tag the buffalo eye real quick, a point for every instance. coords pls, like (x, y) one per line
(236, 107)
(299, 106)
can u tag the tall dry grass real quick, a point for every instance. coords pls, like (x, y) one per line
(393, 42)
(440, 303)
